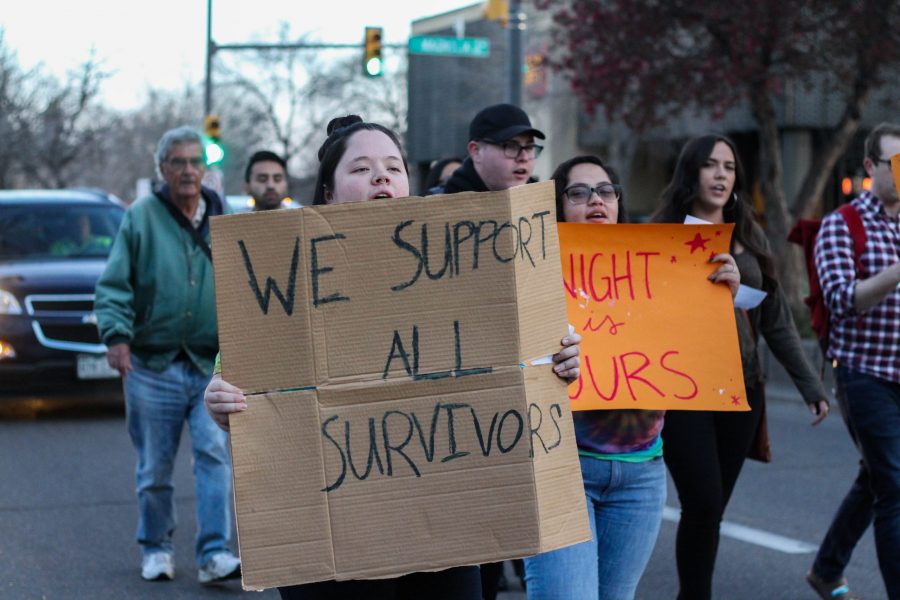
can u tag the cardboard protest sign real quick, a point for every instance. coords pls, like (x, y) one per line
(392, 425)
(656, 333)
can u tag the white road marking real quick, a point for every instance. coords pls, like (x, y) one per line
(758, 537)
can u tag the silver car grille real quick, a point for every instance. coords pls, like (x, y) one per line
(65, 322)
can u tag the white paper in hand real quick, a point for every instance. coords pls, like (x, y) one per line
(748, 297)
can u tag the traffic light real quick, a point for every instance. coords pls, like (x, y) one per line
(373, 65)
(213, 149)
(497, 10)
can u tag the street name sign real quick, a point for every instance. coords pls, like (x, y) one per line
(450, 46)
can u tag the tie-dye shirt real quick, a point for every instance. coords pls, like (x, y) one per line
(629, 435)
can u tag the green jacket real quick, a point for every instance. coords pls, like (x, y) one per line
(156, 293)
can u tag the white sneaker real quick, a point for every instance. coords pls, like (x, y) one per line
(220, 567)
(158, 566)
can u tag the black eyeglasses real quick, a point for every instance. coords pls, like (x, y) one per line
(886, 161)
(179, 164)
(580, 193)
(512, 149)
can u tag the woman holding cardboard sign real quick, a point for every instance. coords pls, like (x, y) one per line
(705, 450)
(620, 450)
(359, 162)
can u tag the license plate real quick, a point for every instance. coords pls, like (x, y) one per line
(94, 366)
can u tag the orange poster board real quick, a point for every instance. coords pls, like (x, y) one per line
(657, 334)
(895, 168)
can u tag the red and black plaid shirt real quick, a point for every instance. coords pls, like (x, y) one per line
(867, 341)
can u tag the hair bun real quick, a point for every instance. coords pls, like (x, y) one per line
(341, 122)
(335, 128)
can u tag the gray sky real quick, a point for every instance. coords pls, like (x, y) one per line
(161, 42)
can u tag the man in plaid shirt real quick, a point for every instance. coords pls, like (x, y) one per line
(865, 343)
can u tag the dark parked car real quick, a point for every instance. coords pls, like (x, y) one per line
(53, 247)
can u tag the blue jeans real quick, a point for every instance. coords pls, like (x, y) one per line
(625, 504)
(871, 407)
(157, 405)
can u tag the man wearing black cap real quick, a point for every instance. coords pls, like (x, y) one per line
(501, 151)
(501, 155)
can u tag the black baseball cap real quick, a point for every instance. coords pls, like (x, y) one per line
(501, 122)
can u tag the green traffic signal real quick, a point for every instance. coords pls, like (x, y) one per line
(212, 149)
(373, 65)
(214, 152)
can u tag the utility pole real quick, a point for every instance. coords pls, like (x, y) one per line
(516, 58)
(210, 50)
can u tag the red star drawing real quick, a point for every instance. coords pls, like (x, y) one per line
(718, 233)
(673, 260)
(698, 243)
(736, 400)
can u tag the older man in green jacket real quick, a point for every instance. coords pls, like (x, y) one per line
(156, 313)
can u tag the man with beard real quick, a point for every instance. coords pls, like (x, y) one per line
(265, 180)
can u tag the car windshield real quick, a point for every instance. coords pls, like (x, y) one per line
(42, 231)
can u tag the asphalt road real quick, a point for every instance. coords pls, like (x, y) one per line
(795, 497)
(67, 512)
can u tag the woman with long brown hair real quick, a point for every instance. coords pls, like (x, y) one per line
(705, 450)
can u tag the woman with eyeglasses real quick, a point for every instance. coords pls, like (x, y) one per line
(705, 450)
(620, 450)
(358, 162)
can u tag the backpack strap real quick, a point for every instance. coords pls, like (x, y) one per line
(857, 233)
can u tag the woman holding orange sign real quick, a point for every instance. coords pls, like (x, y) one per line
(620, 450)
(705, 450)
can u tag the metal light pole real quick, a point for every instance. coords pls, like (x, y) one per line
(516, 58)
(210, 49)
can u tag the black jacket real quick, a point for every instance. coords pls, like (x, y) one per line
(465, 179)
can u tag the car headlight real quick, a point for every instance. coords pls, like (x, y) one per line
(8, 304)
(6, 350)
